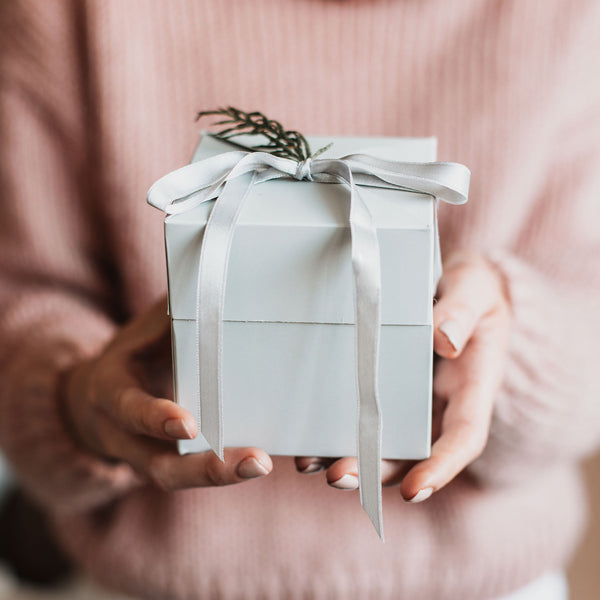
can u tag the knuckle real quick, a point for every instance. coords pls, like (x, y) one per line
(475, 436)
(118, 404)
(477, 443)
(466, 424)
(464, 268)
(124, 397)
(455, 311)
(464, 260)
(458, 310)
(215, 472)
(145, 420)
(118, 400)
(124, 406)
(159, 474)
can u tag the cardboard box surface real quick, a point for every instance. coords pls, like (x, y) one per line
(289, 381)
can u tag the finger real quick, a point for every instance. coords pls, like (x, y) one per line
(466, 420)
(138, 412)
(462, 440)
(466, 294)
(343, 473)
(160, 463)
(312, 464)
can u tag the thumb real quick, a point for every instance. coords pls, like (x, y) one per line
(467, 292)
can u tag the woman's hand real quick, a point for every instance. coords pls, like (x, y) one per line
(116, 407)
(471, 325)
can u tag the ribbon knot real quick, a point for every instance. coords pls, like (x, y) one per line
(304, 170)
(228, 178)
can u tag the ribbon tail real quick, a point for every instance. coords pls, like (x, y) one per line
(367, 278)
(210, 295)
(369, 416)
(366, 268)
(369, 459)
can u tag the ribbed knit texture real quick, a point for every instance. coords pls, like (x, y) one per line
(97, 100)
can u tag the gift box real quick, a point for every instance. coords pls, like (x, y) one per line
(288, 360)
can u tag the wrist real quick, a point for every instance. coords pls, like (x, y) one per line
(70, 399)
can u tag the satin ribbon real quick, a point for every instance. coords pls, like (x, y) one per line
(228, 178)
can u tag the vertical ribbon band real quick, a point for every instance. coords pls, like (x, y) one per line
(228, 178)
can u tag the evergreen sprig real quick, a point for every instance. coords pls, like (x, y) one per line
(279, 142)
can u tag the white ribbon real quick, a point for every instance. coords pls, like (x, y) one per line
(228, 178)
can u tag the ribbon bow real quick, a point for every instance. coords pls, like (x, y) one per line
(228, 178)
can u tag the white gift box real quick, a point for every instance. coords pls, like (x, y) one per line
(288, 364)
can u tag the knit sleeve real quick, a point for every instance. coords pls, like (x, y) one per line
(548, 408)
(54, 295)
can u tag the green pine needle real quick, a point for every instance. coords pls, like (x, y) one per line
(279, 142)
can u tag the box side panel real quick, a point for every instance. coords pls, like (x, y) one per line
(290, 388)
(304, 274)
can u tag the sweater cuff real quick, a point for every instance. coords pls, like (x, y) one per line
(544, 408)
(47, 461)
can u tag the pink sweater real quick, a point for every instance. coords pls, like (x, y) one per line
(97, 100)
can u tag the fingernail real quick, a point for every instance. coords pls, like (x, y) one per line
(250, 468)
(451, 330)
(421, 495)
(346, 482)
(178, 428)
(313, 467)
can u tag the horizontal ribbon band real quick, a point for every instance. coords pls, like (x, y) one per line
(228, 178)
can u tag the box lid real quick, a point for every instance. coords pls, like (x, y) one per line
(290, 257)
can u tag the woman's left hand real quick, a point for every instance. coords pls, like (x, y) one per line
(471, 325)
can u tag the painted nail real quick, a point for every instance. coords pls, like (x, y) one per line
(346, 482)
(177, 428)
(452, 331)
(421, 495)
(313, 467)
(250, 468)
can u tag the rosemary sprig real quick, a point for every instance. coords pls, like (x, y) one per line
(277, 141)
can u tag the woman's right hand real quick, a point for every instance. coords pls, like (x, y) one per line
(116, 408)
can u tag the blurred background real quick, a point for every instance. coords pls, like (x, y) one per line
(584, 574)
(31, 566)
(36, 570)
